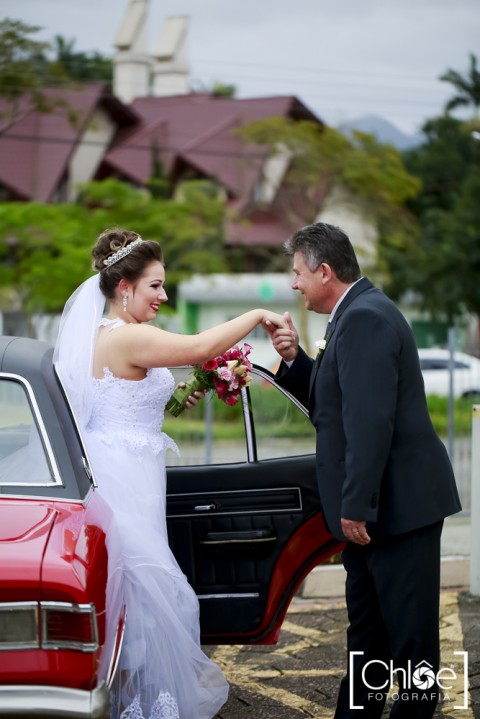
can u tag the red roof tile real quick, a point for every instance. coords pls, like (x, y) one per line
(196, 131)
(36, 149)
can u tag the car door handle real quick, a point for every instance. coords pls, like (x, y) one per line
(247, 536)
(205, 507)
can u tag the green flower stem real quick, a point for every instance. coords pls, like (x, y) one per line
(178, 400)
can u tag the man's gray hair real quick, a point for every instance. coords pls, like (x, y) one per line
(321, 242)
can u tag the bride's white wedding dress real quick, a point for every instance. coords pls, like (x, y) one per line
(163, 673)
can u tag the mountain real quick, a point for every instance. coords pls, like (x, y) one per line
(383, 130)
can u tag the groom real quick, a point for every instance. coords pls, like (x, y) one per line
(384, 477)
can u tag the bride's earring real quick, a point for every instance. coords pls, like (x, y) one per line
(124, 302)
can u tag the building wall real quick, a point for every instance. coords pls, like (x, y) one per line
(342, 210)
(90, 151)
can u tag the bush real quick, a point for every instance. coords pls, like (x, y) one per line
(462, 416)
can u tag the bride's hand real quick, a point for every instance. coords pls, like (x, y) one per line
(272, 321)
(284, 338)
(194, 398)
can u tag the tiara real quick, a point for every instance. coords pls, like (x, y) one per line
(123, 252)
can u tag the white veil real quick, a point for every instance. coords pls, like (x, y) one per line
(75, 344)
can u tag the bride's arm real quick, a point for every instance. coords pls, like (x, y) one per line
(147, 346)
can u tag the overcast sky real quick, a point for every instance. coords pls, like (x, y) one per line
(343, 58)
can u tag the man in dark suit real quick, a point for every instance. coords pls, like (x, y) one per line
(385, 480)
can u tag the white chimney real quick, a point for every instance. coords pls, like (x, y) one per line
(170, 70)
(132, 63)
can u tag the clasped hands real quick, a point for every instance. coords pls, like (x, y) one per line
(283, 334)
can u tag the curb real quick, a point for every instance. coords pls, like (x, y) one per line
(329, 580)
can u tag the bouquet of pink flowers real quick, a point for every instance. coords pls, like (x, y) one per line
(226, 374)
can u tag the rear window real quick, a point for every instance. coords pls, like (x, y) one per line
(23, 458)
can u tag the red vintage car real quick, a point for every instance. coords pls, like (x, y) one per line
(243, 516)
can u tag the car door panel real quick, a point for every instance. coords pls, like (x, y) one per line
(246, 534)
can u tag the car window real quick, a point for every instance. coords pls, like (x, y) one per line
(440, 364)
(282, 429)
(433, 364)
(211, 433)
(22, 456)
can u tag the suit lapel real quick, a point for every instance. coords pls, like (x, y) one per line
(357, 289)
(361, 286)
(319, 356)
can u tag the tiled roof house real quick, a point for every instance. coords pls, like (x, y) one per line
(197, 136)
(44, 156)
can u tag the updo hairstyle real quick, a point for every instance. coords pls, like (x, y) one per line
(130, 267)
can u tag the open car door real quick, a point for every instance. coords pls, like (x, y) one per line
(243, 512)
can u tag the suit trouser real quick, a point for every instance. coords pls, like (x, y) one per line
(393, 597)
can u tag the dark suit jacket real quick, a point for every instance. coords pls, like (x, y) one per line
(378, 456)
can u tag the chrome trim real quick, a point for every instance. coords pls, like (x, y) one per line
(246, 595)
(115, 658)
(264, 510)
(247, 419)
(72, 608)
(205, 507)
(252, 455)
(87, 465)
(15, 607)
(237, 541)
(87, 469)
(56, 478)
(43, 498)
(269, 378)
(45, 702)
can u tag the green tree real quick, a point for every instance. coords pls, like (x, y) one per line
(320, 158)
(45, 249)
(441, 162)
(319, 161)
(440, 261)
(26, 72)
(79, 66)
(158, 183)
(22, 71)
(441, 264)
(467, 87)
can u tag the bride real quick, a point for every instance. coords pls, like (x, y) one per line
(114, 371)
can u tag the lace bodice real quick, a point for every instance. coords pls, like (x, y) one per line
(132, 411)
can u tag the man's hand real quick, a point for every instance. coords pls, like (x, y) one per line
(284, 339)
(355, 531)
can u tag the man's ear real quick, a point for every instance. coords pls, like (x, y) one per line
(327, 272)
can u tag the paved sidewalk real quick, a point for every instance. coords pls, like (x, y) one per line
(299, 676)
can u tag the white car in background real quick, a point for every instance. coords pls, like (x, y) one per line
(434, 364)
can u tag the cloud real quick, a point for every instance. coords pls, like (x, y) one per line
(342, 58)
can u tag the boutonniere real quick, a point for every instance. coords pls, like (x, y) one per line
(320, 345)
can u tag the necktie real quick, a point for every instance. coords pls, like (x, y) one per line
(328, 331)
(326, 337)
